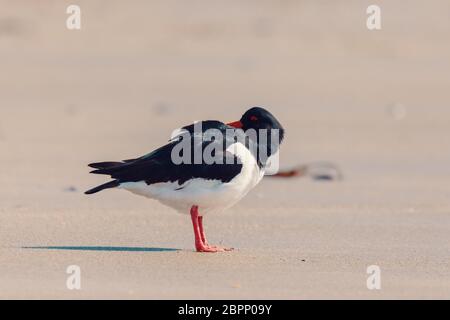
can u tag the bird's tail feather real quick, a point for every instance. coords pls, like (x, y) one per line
(108, 185)
(104, 165)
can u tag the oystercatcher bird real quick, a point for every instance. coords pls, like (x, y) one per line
(197, 185)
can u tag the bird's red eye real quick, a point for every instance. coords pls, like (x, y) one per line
(254, 118)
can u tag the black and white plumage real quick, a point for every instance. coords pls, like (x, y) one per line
(207, 187)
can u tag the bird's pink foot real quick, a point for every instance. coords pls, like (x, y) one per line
(219, 248)
(207, 248)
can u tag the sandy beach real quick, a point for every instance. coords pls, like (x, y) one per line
(374, 103)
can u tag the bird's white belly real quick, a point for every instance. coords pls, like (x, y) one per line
(208, 195)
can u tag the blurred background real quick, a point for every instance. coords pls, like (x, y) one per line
(373, 100)
(376, 103)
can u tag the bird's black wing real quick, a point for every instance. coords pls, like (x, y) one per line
(158, 166)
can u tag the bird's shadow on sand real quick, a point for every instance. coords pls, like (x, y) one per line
(103, 248)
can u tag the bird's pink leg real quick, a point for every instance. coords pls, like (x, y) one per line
(199, 244)
(205, 242)
(202, 231)
(200, 241)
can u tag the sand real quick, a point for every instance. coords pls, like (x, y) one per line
(375, 103)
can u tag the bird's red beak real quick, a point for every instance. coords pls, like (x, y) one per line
(235, 124)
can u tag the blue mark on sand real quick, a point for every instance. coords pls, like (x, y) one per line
(101, 248)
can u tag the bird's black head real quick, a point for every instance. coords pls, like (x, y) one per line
(263, 132)
(259, 118)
